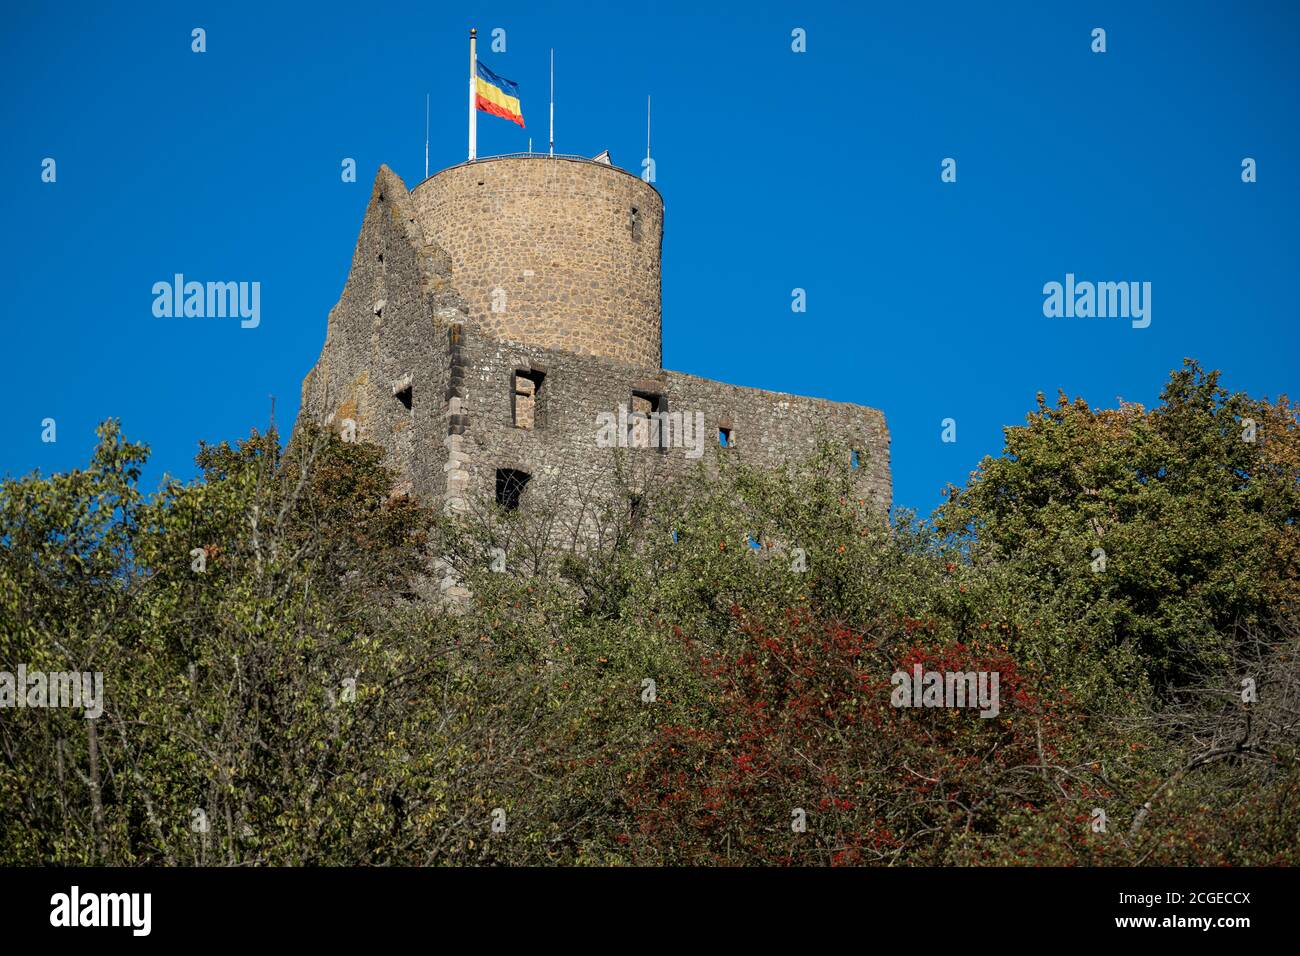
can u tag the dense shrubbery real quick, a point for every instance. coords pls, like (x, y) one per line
(671, 695)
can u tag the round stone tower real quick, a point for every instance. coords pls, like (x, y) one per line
(556, 252)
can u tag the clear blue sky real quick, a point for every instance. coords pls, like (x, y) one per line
(779, 170)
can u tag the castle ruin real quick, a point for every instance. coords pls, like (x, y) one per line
(495, 315)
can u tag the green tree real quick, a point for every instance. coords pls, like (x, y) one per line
(1164, 531)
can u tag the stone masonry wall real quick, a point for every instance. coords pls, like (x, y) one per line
(556, 240)
(560, 452)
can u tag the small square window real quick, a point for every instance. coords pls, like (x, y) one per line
(510, 487)
(726, 437)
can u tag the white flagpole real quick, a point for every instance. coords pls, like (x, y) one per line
(426, 135)
(473, 85)
(647, 131)
(552, 101)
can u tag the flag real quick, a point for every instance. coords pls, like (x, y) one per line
(497, 95)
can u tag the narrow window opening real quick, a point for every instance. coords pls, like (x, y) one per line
(526, 399)
(510, 487)
(853, 459)
(647, 424)
(636, 225)
(726, 437)
(402, 391)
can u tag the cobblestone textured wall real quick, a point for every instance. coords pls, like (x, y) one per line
(560, 451)
(553, 252)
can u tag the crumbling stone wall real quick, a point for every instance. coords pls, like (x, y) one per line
(386, 343)
(570, 250)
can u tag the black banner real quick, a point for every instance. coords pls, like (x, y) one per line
(336, 906)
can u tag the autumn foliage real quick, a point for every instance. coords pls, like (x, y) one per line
(659, 691)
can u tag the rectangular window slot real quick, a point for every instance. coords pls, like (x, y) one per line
(647, 424)
(526, 399)
(402, 391)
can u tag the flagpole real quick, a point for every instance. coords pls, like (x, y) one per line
(426, 135)
(473, 75)
(552, 101)
(647, 131)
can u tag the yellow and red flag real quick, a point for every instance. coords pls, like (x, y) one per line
(497, 95)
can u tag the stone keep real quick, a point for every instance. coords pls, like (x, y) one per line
(493, 313)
